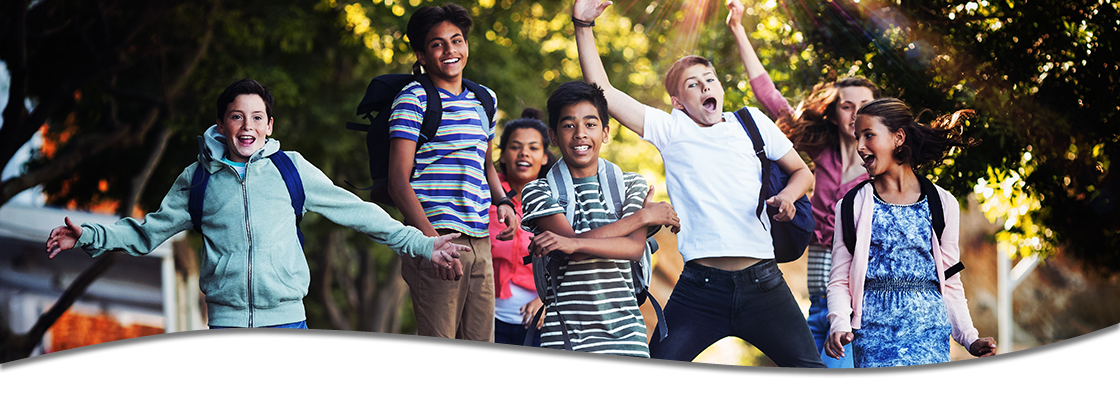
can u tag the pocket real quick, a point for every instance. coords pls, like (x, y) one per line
(222, 280)
(284, 277)
(769, 278)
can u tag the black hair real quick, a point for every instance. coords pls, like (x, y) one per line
(243, 86)
(576, 92)
(531, 118)
(427, 17)
(925, 144)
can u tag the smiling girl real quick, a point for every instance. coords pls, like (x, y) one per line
(899, 296)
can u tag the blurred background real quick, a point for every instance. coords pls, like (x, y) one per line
(103, 100)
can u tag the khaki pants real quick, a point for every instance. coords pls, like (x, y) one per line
(462, 309)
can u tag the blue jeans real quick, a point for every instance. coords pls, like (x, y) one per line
(753, 304)
(818, 325)
(514, 334)
(241, 353)
(582, 365)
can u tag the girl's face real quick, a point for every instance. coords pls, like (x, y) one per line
(524, 155)
(580, 134)
(848, 100)
(445, 52)
(877, 144)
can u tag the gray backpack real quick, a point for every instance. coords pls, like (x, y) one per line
(613, 187)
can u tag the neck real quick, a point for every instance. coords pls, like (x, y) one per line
(453, 85)
(516, 185)
(898, 180)
(849, 151)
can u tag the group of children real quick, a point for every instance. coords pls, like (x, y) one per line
(894, 296)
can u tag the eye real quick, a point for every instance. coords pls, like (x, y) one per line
(258, 118)
(235, 117)
(692, 85)
(710, 80)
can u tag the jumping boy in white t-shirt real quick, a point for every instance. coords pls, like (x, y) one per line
(731, 285)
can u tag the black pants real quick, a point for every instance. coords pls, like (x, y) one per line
(753, 304)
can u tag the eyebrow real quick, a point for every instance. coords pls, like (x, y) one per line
(439, 38)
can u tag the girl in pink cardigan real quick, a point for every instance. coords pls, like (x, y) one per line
(892, 298)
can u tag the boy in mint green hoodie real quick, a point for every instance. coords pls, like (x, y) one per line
(253, 273)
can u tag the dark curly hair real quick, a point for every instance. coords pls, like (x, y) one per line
(243, 86)
(531, 118)
(925, 145)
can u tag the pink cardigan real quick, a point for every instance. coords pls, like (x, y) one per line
(845, 288)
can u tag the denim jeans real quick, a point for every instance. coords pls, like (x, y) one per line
(818, 325)
(582, 365)
(241, 353)
(753, 304)
(514, 334)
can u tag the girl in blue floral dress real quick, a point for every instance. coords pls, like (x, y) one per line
(897, 296)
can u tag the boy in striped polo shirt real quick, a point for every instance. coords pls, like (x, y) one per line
(596, 289)
(447, 185)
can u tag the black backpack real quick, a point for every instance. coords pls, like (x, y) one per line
(379, 97)
(790, 238)
(936, 213)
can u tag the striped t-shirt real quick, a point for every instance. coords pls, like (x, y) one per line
(596, 296)
(449, 176)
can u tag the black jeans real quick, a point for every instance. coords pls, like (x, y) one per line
(514, 333)
(753, 304)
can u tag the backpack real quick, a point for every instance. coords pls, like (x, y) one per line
(379, 97)
(560, 183)
(936, 213)
(287, 170)
(790, 238)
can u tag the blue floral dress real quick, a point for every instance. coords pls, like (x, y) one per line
(904, 319)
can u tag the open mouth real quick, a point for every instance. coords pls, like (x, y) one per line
(709, 104)
(868, 160)
(451, 61)
(581, 149)
(246, 140)
(524, 164)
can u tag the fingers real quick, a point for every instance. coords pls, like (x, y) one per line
(649, 196)
(74, 227)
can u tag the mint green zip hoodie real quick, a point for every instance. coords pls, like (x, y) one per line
(253, 271)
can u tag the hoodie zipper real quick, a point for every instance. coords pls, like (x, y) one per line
(249, 235)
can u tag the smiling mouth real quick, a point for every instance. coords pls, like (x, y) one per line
(524, 164)
(451, 61)
(246, 140)
(581, 149)
(867, 159)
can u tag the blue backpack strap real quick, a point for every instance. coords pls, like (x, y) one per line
(745, 118)
(198, 196)
(295, 186)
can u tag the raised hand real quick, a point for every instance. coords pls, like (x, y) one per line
(660, 213)
(735, 14)
(445, 257)
(588, 10)
(63, 238)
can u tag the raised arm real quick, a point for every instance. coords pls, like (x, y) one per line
(763, 87)
(629, 112)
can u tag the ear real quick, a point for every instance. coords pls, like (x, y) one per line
(219, 125)
(553, 137)
(420, 58)
(606, 133)
(677, 103)
(899, 137)
(268, 132)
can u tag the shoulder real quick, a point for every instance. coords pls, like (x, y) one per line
(948, 201)
(535, 189)
(633, 179)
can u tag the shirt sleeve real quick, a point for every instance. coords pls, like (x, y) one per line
(636, 190)
(769, 96)
(493, 121)
(407, 113)
(140, 237)
(537, 202)
(658, 129)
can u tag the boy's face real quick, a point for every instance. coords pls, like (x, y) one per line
(245, 126)
(580, 134)
(445, 53)
(700, 95)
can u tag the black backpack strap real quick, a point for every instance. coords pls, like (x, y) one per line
(661, 326)
(747, 120)
(295, 186)
(433, 112)
(197, 198)
(936, 212)
(847, 217)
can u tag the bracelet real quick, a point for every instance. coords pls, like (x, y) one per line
(583, 24)
(506, 201)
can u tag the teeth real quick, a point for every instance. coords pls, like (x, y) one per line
(582, 148)
(524, 164)
(453, 60)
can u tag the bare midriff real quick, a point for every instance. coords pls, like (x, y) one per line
(728, 263)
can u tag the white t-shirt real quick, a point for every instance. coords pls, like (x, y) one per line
(713, 178)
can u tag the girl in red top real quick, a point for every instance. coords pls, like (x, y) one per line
(524, 158)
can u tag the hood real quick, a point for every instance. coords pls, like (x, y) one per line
(212, 148)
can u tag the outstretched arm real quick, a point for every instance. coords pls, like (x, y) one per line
(772, 101)
(629, 112)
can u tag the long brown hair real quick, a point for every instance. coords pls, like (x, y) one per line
(809, 128)
(925, 145)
